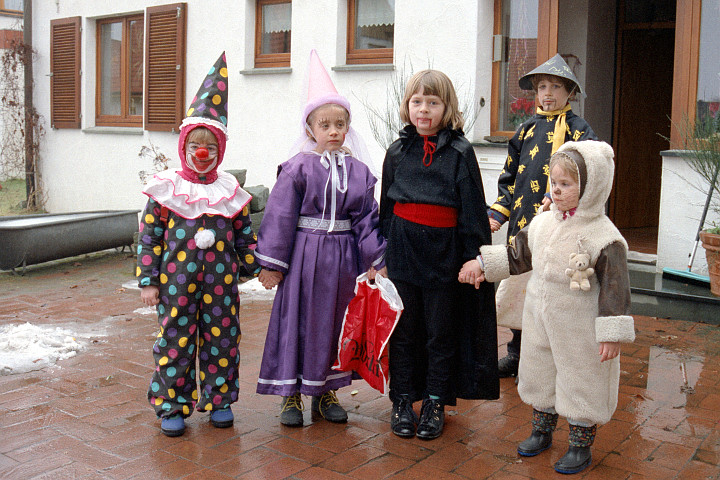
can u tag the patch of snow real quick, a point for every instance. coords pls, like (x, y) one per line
(146, 311)
(253, 290)
(26, 347)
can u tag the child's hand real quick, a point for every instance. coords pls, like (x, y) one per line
(546, 202)
(150, 295)
(471, 272)
(372, 272)
(494, 225)
(269, 278)
(609, 350)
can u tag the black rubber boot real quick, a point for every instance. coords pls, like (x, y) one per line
(508, 366)
(432, 419)
(536, 443)
(403, 420)
(541, 437)
(578, 456)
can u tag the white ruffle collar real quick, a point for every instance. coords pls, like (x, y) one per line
(190, 200)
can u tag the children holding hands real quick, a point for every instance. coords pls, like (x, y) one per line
(319, 232)
(432, 213)
(560, 324)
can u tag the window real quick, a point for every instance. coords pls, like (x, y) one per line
(708, 83)
(515, 47)
(272, 33)
(371, 26)
(119, 97)
(65, 73)
(11, 6)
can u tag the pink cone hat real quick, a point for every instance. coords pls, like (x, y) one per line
(321, 90)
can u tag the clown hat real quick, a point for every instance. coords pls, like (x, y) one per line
(555, 66)
(321, 90)
(209, 106)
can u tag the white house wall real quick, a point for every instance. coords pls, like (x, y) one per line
(97, 168)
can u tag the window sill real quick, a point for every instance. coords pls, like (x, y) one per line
(502, 146)
(365, 67)
(115, 130)
(266, 71)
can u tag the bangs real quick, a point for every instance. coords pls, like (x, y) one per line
(201, 135)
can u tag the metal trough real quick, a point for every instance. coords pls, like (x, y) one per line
(31, 239)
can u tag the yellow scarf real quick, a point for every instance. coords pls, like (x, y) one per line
(560, 130)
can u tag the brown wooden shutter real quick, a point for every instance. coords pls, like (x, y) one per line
(165, 67)
(65, 73)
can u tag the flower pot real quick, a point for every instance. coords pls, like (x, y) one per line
(711, 243)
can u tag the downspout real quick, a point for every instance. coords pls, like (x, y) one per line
(29, 109)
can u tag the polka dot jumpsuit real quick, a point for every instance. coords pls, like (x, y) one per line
(198, 309)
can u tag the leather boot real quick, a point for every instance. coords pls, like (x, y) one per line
(329, 407)
(291, 411)
(541, 437)
(578, 456)
(403, 420)
(508, 366)
(432, 419)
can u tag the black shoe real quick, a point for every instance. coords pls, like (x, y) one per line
(575, 460)
(508, 366)
(328, 406)
(291, 411)
(403, 420)
(432, 419)
(536, 443)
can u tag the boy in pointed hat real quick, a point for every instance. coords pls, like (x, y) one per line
(319, 231)
(195, 238)
(523, 184)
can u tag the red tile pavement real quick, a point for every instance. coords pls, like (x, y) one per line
(87, 416)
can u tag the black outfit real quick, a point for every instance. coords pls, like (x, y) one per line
(445, 343)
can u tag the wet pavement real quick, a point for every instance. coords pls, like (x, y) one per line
(87, 417)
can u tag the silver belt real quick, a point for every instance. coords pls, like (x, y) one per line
(324, 224)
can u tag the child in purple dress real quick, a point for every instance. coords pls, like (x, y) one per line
(319, 232)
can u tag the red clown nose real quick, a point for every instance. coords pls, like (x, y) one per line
(202, 153)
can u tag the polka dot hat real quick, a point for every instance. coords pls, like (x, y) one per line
(209, 106)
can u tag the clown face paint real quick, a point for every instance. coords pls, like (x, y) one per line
(201, 157)
(426, 112)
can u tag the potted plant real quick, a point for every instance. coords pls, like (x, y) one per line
(702, 143)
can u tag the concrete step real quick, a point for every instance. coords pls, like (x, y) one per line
(665, 297)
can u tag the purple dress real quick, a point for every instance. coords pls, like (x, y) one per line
(320, 255)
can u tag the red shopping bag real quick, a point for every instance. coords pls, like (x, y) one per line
(369, 321)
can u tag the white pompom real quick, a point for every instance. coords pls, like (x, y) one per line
(205, 239)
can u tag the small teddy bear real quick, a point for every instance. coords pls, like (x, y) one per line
(579, 271)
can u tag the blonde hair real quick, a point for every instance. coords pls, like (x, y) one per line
(567, 164)
(434, 82)
(201, 135)
(569, 85)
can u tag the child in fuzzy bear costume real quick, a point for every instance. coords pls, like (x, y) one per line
(195, 239)
(562, 325)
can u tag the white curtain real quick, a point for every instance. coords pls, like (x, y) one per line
(276, 17)
(375, 12)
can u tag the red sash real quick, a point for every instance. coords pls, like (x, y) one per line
(426, 214)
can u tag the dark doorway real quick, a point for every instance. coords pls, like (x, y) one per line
(643, 103)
